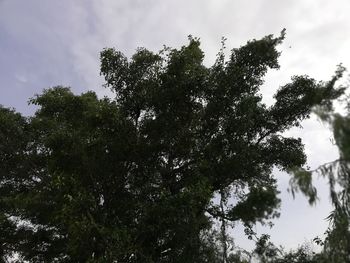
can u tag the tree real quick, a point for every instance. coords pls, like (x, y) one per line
(267, 252)
(132, 179)
(336, 245)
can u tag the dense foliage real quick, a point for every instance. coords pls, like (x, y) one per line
(133, 179)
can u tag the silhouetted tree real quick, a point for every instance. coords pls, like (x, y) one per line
(132, 179)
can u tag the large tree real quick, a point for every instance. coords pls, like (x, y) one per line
(132, 179)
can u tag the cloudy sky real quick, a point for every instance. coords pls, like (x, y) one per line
(47, 43)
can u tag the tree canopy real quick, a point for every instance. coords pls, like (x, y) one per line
(132, 179)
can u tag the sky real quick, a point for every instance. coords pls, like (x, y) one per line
(46, 43)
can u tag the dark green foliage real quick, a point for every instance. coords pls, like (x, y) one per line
(337, 242)
(336, 245)
(132, 179)
(267, 252)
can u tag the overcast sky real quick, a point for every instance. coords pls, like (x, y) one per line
(47, 43)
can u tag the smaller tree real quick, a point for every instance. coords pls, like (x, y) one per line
(337, 242)
(336, 245)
